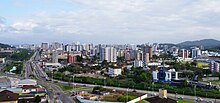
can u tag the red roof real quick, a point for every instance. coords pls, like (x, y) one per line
(29, 87)
(8, 96)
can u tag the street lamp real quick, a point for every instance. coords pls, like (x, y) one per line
(52, 77)
(127, 94)
(75, 89)
(104, 81)
(152, 87)
(175, 94)
(73, 82)
(195, 93)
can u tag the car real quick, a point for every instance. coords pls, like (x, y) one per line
(134, 90)
(210, 101)
(153, 94)
(58, 93)
(55, 81)
(198, 99)
(181, 98)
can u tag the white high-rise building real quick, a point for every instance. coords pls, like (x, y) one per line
(196, 52)
(138, 63)
(54, 57)
(109, 54)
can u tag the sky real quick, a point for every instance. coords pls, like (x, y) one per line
(108, 21)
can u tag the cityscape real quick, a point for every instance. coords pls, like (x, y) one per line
(109, 51)
(89, 73)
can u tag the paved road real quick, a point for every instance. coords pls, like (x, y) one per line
(41, 75)
(186, 97)
(4, 64)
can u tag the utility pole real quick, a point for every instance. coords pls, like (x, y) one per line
(195, 93)
(104, 81)
(73, 85)
(127, 94)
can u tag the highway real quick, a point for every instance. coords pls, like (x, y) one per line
(57, 95)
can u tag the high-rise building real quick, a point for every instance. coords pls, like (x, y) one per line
(72, 58)
(139, 55)
(68, 48)
(148, 49)
(44, 46)
(109, 54)
(184, 53)
(214, 66)
(196, 52)
(147, 57)
(138, 63)
(56, 46)
(54, 57)
(127, 55)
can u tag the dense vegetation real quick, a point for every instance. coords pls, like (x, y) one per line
(143, 85)
(4, 45)
(18, 65)
(17, 60)
(21, 55)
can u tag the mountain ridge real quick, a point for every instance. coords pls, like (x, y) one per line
(4, 45)
(206, 43)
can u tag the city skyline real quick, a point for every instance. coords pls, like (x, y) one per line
(108, 22)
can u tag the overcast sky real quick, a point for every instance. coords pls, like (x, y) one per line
(108, 21)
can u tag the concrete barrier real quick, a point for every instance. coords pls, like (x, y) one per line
(138, 99)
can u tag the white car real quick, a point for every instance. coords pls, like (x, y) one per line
(199, 99)
(210, 101)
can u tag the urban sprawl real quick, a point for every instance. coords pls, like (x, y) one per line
(90, 73)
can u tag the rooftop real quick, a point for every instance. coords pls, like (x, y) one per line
(157, 99)
(8, 96)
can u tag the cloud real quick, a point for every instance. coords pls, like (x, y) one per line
(123, 21)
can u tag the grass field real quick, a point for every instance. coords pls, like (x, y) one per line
(202, 64)
(215, 82)
(119, 98)
(65, 88)
(84, 89)
(185, 101)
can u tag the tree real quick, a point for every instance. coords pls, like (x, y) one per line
(121, 59)
(188, 66)
(126, 71)
(79, 58)
(37, 99)
(194, 63)
(104, 63)
(143, 77)
(185, 83)
(124, 98)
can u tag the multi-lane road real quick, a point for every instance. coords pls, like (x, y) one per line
(57, 94)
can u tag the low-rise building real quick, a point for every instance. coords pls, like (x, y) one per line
(5, 82)
(112, 71)
(164, 75)
(29, 88)
(214, 66)
(27, 82)
(2, 60)
(162, 98)
(8, 97)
